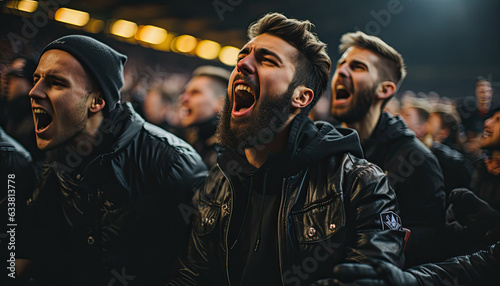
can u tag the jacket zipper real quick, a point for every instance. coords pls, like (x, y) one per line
(280, 214)
(285, 221)
(226, 230)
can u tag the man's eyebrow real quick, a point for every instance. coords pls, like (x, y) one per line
(343, 60)
(264, 51)
(244, 51)
(261, 52)
(359, 62)
(52, 76)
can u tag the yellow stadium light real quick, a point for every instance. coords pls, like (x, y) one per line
(27, 6)
(165, 45)
(207, 49)
(228, 55)
(94, 26)
(123, 28)
(73, 17)
(185, 43)
(151, 34)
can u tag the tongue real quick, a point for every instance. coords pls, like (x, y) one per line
(243, 109)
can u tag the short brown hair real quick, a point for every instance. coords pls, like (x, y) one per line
(219, 78)
(396, 69)
(313, 64)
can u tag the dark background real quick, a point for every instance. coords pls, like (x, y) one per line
(445, 43)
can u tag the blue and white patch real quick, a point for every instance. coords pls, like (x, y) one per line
(390, 220)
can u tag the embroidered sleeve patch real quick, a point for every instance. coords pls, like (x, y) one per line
(390, 220)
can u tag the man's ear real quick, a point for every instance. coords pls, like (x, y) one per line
(385, 89)
(97, 104)
(302, 97)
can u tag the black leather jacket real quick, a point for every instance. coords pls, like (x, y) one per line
(332, 210)
(120, 215)
(17, 178)
(417, 179)
(480, 268)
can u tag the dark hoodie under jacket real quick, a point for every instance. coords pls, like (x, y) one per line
(322, 205)
(417, 179)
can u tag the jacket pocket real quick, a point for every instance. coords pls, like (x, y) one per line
(318, 221)
(207, 217)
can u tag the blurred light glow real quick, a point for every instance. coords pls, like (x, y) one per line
(11, 4)
(228, 55)
(151, 34)
(123, 28)
(165, 45)
(25, 5)
(73, 17)
(207, 49)
(94, 26)
(185, 43)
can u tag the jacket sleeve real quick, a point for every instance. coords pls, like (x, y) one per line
(480, 268)
(182, 168)
(193, 265)
(374, 213)
(420, 189)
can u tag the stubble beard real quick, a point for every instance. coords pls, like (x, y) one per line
(244, 132)
(359, 107)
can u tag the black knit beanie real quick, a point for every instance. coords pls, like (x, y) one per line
(104, 64)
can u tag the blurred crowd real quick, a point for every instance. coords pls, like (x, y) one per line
(456, 130)
(188, 104)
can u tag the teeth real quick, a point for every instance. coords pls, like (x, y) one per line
(39, 111)
(243, 87)
(340, 87)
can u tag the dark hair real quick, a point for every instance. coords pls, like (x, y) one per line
(480, 79)
(396, 69)
(313, 64)
(449, 120)
(423, 115)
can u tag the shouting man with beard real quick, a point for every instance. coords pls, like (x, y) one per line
(367, 76)
(288, 199)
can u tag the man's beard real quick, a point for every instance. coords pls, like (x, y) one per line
(359, 106)
(268, 117)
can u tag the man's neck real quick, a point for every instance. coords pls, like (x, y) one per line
(258, 155)
(88, 140)
(367, 124)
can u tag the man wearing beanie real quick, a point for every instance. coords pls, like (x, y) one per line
(111, 197)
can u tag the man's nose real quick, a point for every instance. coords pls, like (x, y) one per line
(246, 65)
